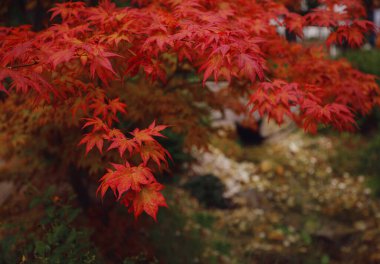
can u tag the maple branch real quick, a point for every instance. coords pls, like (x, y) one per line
(170, 78)
(175, 87)
(22, 65)
(267, 79)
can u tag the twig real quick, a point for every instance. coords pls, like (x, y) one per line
(173, 88)
(173, 74)
(267, 79)
(22, 65)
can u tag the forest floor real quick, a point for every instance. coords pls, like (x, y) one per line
(294, 199)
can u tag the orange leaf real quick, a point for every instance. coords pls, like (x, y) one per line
(92, 139)
(148, 200)
(124, 178)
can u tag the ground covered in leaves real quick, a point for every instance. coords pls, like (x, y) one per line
(291, 201)
(296, 198)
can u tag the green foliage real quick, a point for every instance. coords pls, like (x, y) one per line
(187, 236)
(367, 61)
(208, 189)
(140, 259)
(366, 160)
(360, 156)
(167, 234)
(50, 239)
(174, 143)
(369, 158)
(204, 219)
(175, 245)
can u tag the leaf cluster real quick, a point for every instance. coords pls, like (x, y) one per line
(104, 66)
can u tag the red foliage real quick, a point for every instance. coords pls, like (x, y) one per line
(92, 48)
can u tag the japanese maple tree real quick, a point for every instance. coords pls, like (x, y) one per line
(98, 67)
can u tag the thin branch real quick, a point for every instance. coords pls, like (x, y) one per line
(173, 88)
(267, 79)
(168, 80)
(22, 65)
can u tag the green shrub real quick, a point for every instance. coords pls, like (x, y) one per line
(208, 189)
(369, 159)
(367, 61)
(51, 239)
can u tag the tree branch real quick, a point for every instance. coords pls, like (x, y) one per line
(22, 65)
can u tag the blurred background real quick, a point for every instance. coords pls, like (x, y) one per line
(273, 195)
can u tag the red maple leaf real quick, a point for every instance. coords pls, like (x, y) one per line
(66, 10)
(147, 134)
(122, 144)
(250, 66)
(96, 123)
(116, 106)
(93, 139)
(153, 150)
(79, 62)
(148, 200)
(294, 23)
(124, 178)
